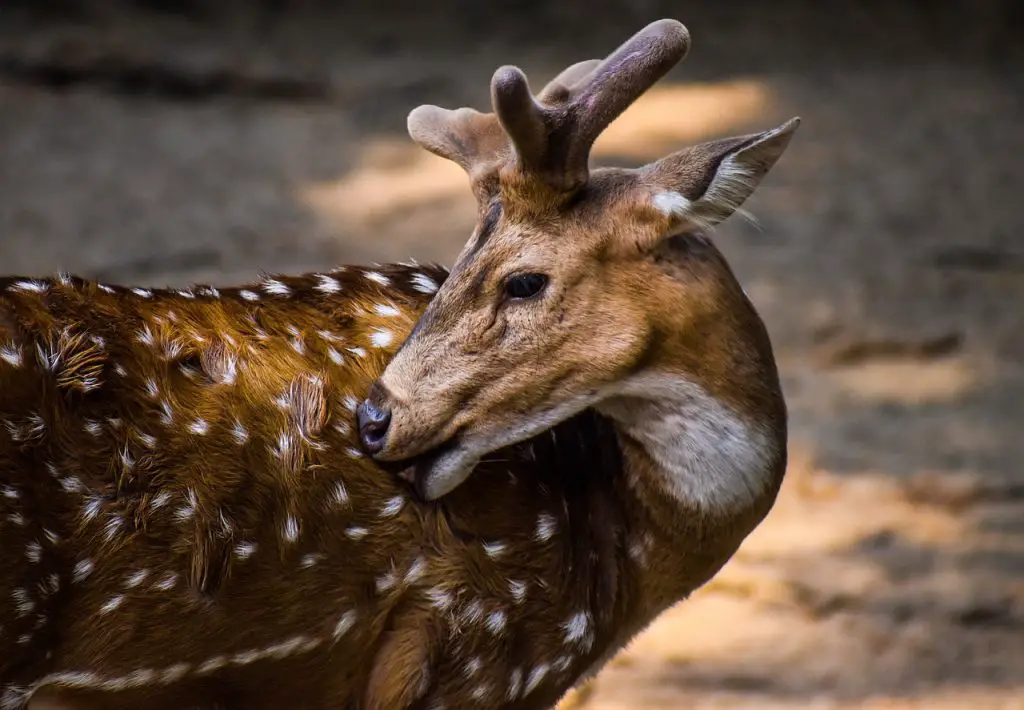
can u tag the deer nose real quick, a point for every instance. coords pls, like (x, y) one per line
(373, 425)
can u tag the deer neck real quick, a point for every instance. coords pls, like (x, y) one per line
(692, 452)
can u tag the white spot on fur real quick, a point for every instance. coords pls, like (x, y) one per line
(546, 527)
(339, 494)
(285, 442)
(310, 560)
(224, 369)
(127, 460)
(440, 598)
(356, 533)
(275, 287)
(518, 590)
(72, 484)
(494, 550)
(495, 622)
(381, 338)
(357, 351)
(515, 684)
(135, 579)
(240, 433)
(387, 310)
(671, 204)
(167, 583)
(82, 570)
(537, 674)
(579, 630)
(142, 292)
(48, 356)
(290, 531)
(34, 551)
(29, 286)
(335, 356)
(174, 673)
(160, 500)
(378, 277)
(416, 570)
(638, 549)
(248, 295)
(11, 354)
(112, 604)
(211, 664)
(386, 581)
(245, 550)
(327, 284)
(562, 663)
(185, 512)
(166, 413)
(472, 667)
(345, 624)
(393, 507)
(473, 613)
(112, 527)
(423, 283)
(145, 336)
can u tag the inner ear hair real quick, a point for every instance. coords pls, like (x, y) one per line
(701, 186)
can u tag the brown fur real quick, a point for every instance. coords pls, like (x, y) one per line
(188, 520)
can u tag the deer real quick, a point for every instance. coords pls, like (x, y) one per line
(399, 486)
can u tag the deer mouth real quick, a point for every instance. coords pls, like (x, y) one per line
(435, 472)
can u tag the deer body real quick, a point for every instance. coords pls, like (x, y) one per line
(198, 503)
(188, 519)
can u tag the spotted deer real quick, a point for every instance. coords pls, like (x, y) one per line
(398, 487)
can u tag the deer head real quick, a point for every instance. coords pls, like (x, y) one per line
(574, 281)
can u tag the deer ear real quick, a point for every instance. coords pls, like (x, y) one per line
(699, 187)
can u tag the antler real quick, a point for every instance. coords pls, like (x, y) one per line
(550, 135)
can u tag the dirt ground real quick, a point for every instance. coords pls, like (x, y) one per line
(888, 264)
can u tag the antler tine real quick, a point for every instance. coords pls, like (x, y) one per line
(471, 139)
(521, 116)
(621, 79)
(559, 89)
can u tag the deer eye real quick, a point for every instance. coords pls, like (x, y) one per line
(523, 286)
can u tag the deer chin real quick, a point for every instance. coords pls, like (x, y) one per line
(439, 471)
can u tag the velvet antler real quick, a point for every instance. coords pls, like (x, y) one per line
(549, 136)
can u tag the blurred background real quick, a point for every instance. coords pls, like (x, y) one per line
(160, 142)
